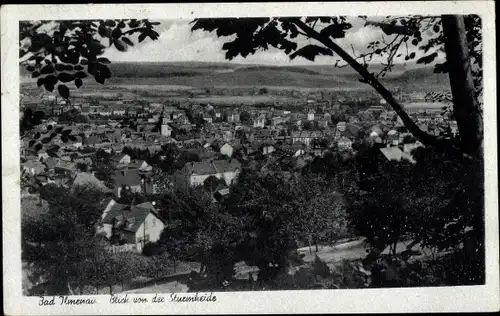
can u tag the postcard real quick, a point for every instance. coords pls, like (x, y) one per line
(255, 158)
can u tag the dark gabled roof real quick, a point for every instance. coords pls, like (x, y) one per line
(129, 217)
(128, 177)
(118, 157)
(51, 162)
(212, 167)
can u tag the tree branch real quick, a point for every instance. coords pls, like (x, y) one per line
(425, 138)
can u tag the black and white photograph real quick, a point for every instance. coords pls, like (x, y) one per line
(174, 160)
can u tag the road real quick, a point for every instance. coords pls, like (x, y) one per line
(351, 250)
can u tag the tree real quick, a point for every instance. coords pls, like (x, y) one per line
(71, 51)
(101, 164)
(73, 46)
(212, 183)
(253, 34)
(263, 91)
(245, 117)
(59, 242)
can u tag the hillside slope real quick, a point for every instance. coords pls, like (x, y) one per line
(225, 74)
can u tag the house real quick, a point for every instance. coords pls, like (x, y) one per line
(296, 149)
(408, 148)
(259, 121)
(87, 179)
(266, 149)
(393, 137)
(227, 150)
(131, 113)
(344, 143)
(310, 115)
(42, 154)
(233, 117)
(341, 126)
(220, 194)
(166, 130)
(307, 137)
(196, 173)
(134, 225)
(323, 123)
(277, 120)
(65, 167)
(140, 165)
(33, 167)
(51, 162)
(120, 160)
(395, 153)
(207, 118)
(129, 179)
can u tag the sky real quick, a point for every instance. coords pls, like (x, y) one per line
(177, 43)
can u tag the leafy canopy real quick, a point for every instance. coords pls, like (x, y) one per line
(70, 50)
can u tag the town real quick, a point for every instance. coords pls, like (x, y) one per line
(194, 175)
(133, 153)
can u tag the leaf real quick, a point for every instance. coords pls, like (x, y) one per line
(121, 46)
(80, 74)
(153, 35)
(104, 70)
(117, 32)
(441, 68)
(63, 91)
(142, 36)
(49, 87)
(103, 60)
(100, 79)
(427, 59)
(40, 82)
(78, 67)
(65, 77)
(35, 74)
(110, 23)
(30, 68)
(47, 69)
(127, 41)
(83, 62)
(78, 82)
(51, 79)
(103, 30)
(60, 67)
(334, 31)
(390, 29)
(311, 51)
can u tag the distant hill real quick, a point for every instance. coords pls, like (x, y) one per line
(205, 74)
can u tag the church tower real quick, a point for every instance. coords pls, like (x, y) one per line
(166, 130)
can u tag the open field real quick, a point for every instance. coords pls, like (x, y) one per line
(184, 76)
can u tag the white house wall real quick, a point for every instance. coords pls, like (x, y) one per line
(154, 231)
